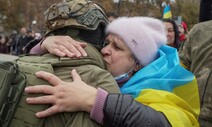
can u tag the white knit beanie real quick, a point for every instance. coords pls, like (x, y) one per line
(143, 35)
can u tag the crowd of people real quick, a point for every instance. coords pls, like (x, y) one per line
(125, 71)
(14, 43)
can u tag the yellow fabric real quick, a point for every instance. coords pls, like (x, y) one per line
(183, 65)
(180, 107)
(167, 15)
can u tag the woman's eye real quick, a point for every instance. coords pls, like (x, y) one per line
(170, 30)
(116, 47)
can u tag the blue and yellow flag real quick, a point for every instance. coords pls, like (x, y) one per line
(167, 87)
(167, 12)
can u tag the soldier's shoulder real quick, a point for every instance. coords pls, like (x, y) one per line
(203, 26)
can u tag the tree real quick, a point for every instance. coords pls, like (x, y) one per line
(188, 10)
(17, 13)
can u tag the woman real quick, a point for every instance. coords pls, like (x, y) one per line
(172, 33)
(183, 31)
(144, 67)
(4, 45)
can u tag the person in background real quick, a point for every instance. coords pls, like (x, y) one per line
(111, 16)
(4, 45)
(21, 41)
(196, 55)
(183, 31)
(172, 33)
(29, 37)
(163, 97)
(13, 40)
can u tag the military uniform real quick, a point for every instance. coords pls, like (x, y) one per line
(196, 55)
(71, 17)
(92, 71)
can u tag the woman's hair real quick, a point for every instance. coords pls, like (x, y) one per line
(176, 38)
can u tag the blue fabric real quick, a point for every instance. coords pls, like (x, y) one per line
(165, 73)
(166, 9)
(167, 12)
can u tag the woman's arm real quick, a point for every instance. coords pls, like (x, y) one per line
(123, 111)
(108, 109)
(30, 45)
(60, 46)
(64, 96)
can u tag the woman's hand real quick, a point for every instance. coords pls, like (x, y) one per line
(64, 96)
(63, 46)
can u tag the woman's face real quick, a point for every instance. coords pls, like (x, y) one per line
(2, 40)
(170, 33)
(117, 56)
(181, 30)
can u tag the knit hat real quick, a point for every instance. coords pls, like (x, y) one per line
(143, 35)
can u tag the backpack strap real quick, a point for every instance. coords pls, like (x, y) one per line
(25, 114)
(12, 84)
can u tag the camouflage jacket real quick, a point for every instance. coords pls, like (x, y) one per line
(92, 71)
(196, 55)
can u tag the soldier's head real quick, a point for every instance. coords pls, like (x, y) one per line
(81, 19)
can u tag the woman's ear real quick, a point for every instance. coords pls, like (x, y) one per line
(137, 67)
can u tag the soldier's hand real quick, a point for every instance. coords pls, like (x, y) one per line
(63, 46)
(64, 96)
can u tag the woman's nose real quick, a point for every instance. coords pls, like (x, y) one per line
(106, 50)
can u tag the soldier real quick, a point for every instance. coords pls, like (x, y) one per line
(77, 19)
(196, 55)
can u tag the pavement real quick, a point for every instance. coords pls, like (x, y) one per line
(7, 57)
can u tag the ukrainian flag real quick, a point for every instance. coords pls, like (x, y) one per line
(167, 12)
(167, 87)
